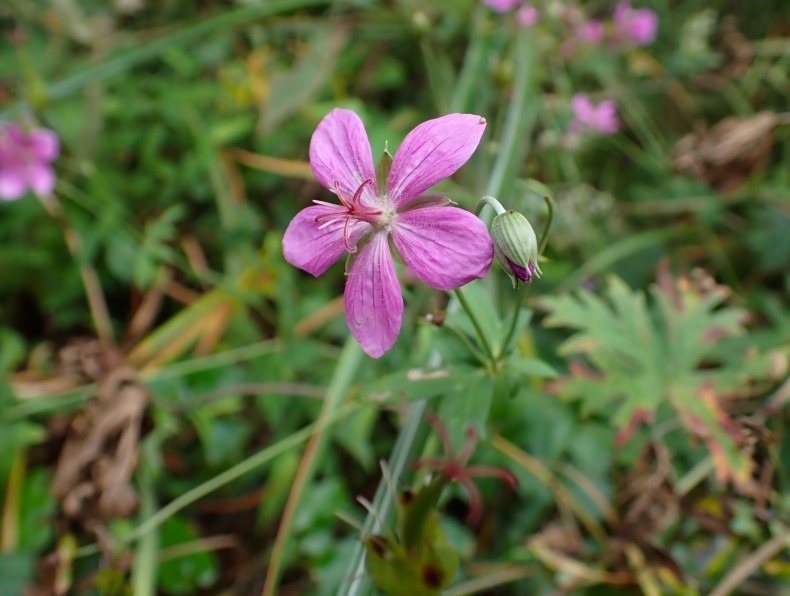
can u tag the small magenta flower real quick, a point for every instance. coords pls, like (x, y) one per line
(601, 118)
(527, 15)
(591, 32)
(443, 246)
(639, 26)
(25, 160)
(502, 6)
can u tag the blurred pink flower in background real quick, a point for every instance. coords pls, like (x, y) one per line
(639, 26)
(587, 116)
(590, 32)
(527, 15)
(25, 160)
(502, 5)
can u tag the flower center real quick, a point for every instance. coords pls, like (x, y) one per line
(352, 209)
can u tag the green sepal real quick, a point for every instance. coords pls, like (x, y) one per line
(415, 510)
(383, 171)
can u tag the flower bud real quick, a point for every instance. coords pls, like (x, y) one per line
(516, 246)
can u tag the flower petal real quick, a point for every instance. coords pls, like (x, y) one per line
(12, 183)
(373, 300)
(340, 151)
(445, 247)
(431, 152)
(583, 108)
(314, 249)
(45, 144)
(40, 178)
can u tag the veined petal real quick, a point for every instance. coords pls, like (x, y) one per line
(374, 304)
(445, 247)
(340, 151)
(12, 183)
(312, 247)
(431, 152)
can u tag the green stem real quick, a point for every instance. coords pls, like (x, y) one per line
(478, 327)
(474, 64)
(343, 376)
(544, 237)
(465, 340)
(491, 202)
(144, 572)
(520, 117)
(513, 324)
(409, 437)
(9, 522)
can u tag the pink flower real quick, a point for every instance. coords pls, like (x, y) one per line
(590, 32)
(25, 158)
(639, 26)
(502, 5)
(443, 246)
(527, 15)
(601, 118)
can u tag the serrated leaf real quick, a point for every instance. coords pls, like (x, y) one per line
(642, 356)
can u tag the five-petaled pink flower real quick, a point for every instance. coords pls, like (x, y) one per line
(639, 25)
(601, 118)
(25, 158)
(446, 247)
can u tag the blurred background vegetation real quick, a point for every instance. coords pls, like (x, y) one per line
(154, 449)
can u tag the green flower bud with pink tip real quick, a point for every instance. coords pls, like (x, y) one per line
(516, 246)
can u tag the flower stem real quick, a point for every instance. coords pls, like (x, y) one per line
(90, 279)
(478, 327)
(544, 237)
(513, 324)
(409, 438)
(490, 201)
(469, 346)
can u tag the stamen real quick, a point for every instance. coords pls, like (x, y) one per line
(339, 193)
(355, 199)
(352, 248)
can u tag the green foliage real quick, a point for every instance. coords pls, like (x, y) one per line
(185, 131)
(645, 357)
(184, 572)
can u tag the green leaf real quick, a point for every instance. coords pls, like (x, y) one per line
(418, 383)
(642, 356)
(521, 366)
(188, 573)
(467, 406)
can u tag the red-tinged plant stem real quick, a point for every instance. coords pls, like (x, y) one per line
(90, 279)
